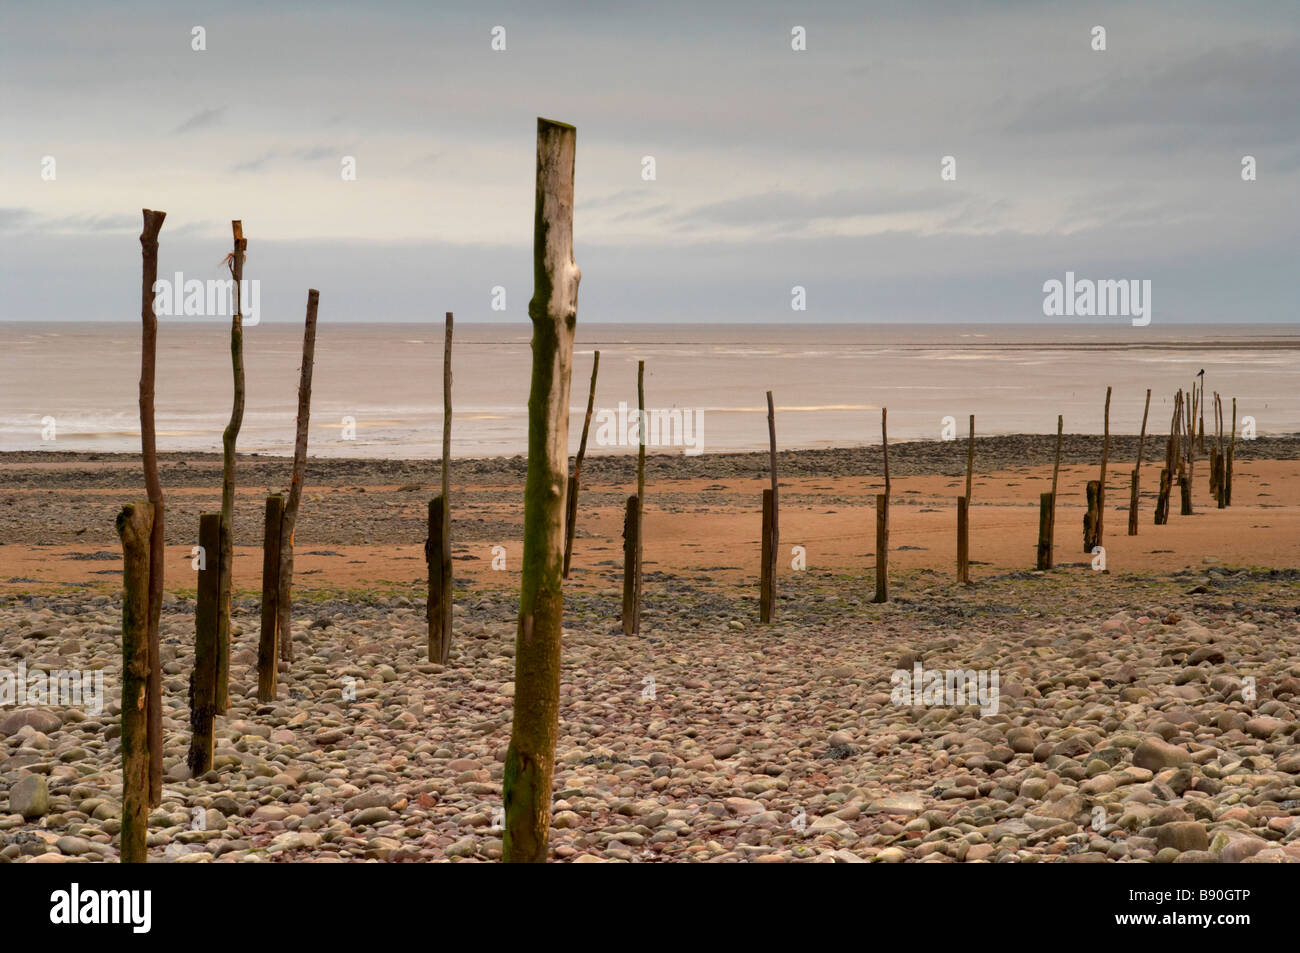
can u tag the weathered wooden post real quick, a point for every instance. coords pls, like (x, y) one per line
(571, 499)
(267, 648)
(766, 571)
(1137, 471)
(1105, 459)
(438, 547)
(773, 545)
(1091, 525)
(153, 222)
(882, 518)
(641, 428)
(203, 679)
(631, 542)
(1044, 532)
(1232, 452)
(1171, 455)
(235, 261)
(1056, 471)
(134, 527)
(963, 512)
(530, 759)
(284, 598)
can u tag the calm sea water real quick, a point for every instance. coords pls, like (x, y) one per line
(829, 382)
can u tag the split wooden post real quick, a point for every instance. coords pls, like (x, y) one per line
(153, 222)
(571, 499)
(284, 598)
(773, 544)
(267, 648)
(882, 518)
(134, 527)
(1044, 532)
(765, 594)
(203, 679)
(530, 758)
(235, 261)
(1137, 471)
(1056, 471)
(631, 537)
(438, 547)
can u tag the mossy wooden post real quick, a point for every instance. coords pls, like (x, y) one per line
(134, 527)
(153, 222)
(571, 499)
(438, 547)
(235, 261)
(1137, 471)
(530, 758)
(765, 570)
(267, 648)
(773, 545)
(882, 518)
(1044, 532)
(1056, 471)
(284, 598)
(203, 678)
(630, 537)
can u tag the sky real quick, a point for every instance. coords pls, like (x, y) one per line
(774, 168)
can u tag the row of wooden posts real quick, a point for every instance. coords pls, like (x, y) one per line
(550, 516)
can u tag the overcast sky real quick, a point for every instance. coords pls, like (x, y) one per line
(774, 167)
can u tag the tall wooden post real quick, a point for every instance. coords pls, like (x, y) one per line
(530, 759)
(1105, 459)
(882, 517)
(134, 527)
(235, 261)
(765, 587)
(642, 426)
(571, 516)
(773, 545)
(1232, 452)
(1137, 471)
(1056, 470)
(153, 222)
(284, 598)
(963, 512)
(267, 648)
(203, 679)
(440, 602)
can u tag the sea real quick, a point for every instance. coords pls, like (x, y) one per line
(377, 388)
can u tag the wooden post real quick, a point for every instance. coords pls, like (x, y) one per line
(438, 571)
(631, 536)
(765, 574)
(203, 679)
(530, 759)
(773, 544)
(1044, 532)
(1137, 471)
(153, 222)
(439, 608)
(963, 540)
(1162, 501)
(970, 457)
(134, 527)
(1091, 518)
(571, 499)
(267, 648)
(235, 261)
(882, 518)
(1167, 473)
(1056, 470)
(640, 492)
(284, 598)
(1232, 452)
(1101, 493)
